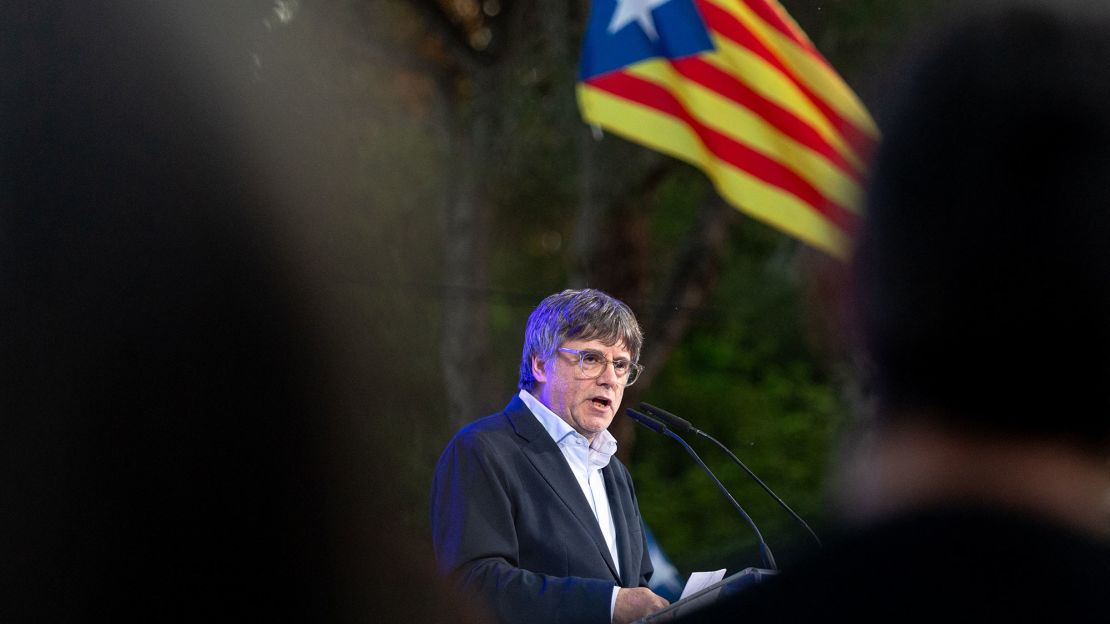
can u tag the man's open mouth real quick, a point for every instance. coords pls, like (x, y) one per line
(601, 402)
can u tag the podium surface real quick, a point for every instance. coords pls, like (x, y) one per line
(727, 586)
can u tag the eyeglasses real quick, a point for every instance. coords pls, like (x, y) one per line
(593, 364)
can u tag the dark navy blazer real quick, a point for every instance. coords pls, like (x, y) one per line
(511, 525)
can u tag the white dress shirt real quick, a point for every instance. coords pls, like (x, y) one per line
(586, 461)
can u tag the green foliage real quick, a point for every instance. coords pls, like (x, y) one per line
(747, 377)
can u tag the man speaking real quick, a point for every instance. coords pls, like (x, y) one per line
(531, 511)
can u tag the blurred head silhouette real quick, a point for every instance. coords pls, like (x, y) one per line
(174, 439)
(982, 266)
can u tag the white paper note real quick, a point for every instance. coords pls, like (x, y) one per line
(700, 580)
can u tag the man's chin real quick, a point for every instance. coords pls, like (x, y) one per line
(597, 425)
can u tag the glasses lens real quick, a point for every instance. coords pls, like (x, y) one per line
(633, 374)
(591, 362)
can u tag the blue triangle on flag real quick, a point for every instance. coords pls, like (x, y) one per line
(681, 32)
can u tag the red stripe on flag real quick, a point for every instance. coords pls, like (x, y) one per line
(728, 26)
(729, 86)
(723, 147)
(768, 14)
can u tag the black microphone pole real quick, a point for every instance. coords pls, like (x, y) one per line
(658, 427)
(684, 426)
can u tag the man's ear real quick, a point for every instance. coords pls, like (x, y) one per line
(537, 369)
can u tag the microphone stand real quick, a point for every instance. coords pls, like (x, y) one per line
(684, 425)
(649, 422)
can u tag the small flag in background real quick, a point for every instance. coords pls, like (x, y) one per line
(735, 88)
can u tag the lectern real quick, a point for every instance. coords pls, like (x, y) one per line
(726, 586)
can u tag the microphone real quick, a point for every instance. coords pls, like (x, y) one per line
(647, 421)
(658, 427)
(674, 422)
(684, 426)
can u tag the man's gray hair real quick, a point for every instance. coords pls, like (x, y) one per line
(586, 314)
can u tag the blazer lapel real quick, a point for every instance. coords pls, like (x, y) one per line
(545, 455)
(618, 507)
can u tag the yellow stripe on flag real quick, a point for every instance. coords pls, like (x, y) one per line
(664, 133)
(745, 127)
(776, 87)
(814, 72)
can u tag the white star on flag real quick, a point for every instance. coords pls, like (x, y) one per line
(639, 11)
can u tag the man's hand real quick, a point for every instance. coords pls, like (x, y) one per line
(633, 604)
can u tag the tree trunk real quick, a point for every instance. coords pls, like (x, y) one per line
(466, 262)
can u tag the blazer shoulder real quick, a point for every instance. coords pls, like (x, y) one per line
(489, 432)
(488, 426)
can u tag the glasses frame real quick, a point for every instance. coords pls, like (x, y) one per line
(632, 366)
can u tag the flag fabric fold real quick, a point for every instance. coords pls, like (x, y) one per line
(735, 88)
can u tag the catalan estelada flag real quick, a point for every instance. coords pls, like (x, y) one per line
(735, 88)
